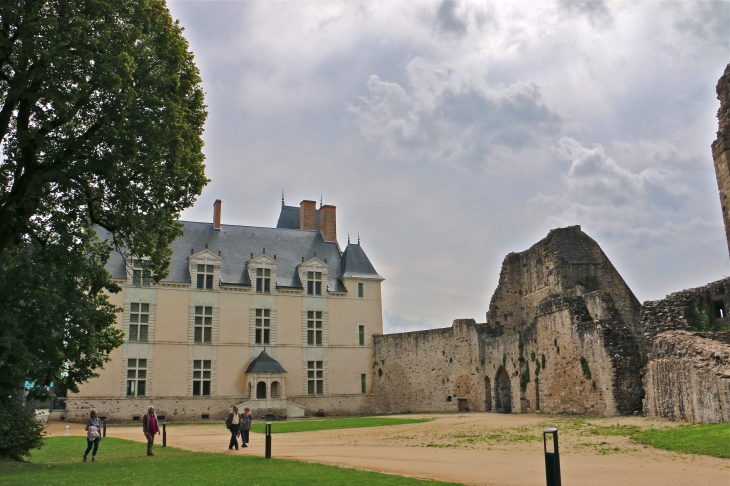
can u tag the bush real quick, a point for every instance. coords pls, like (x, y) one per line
(20, 432)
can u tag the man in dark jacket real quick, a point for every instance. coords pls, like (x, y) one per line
(233, 422)
(150, 427)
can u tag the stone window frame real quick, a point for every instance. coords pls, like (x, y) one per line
(362, 335)
(325, 377)
(191, 322)
(150, 323)
(148, 378)
(361, 290)
(262, 315)
(314, 265)
(213, 365)
(363, 383)
(263, 262)
(205, 258)
(325, 327)
(252, 324)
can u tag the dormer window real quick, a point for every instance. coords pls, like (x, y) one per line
(140, 273)
(263, 280)
(314, 283)
(205, 276)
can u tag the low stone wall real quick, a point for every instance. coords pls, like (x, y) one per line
(335, 405)
(174, 409)
(688, 378)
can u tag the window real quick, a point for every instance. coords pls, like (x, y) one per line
(315, 378)
(275, 389)
(136, 377)
(314, 283)
(203, 324)
(263, 326)
(314, 328)
(363, 383)
(205, 277)
(361, 335)
(201, 377)
(140, 273)
(360, 290)
(261, 390)
(263, 280)
(139, 318)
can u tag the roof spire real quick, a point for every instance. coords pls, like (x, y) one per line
(358, 237)
(282, 197)
(320, 200)
(348, 237)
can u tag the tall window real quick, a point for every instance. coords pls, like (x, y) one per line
(314, 283)
(136, 377)
(263, 280)
(205, 276)
(361, 335)
(203, 324)
(363, 383)
(140, 273)
(314, 328)
(139, 317)
(360, 290)
(263, 326)
(201, 377)
(315, 378)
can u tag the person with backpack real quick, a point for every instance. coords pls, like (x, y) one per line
(246, 419)
(93, 437)
(233, 423)
(150, 427)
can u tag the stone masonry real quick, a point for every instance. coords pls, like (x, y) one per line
(721, 147)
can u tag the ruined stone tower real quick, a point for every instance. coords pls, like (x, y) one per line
(721, 149)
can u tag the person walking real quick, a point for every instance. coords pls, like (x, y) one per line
(93, 437)
(246, 419)
(233, 422)
(150, 427)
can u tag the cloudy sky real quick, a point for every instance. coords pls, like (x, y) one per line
(449, 133)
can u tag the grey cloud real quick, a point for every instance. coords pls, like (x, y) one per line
(451, 120)
(596, 11)
(448, 20)
(706, 20)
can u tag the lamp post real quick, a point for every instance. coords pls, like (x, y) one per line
(552, 457)
(164, 434)
(268, 440)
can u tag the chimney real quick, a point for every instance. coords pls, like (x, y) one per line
(308, 215)
(217, 215)
(328, 222)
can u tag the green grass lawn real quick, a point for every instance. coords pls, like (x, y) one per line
(124, 462)
(711, 439)
(335, 423)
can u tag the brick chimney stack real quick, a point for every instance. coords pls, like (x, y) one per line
(308, 215)
(217, 215)
(328, 222)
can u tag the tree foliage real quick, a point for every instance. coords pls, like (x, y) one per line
(20, 432)
(101, 119)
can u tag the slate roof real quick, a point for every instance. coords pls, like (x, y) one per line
(289, 217)
(356, 264)
(237, 243)
(264, 363)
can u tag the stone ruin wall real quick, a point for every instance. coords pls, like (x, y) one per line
(427, 371)
(688, 378)
(721, 147)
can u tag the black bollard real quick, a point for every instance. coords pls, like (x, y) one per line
(268, 440)
(552, 458)
(164, 434)
(104, 433)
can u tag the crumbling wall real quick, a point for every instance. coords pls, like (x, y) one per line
(565, 259)
(428, 370)
(721, 147)
(688, 377)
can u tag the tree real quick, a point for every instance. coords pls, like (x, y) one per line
(101, 117)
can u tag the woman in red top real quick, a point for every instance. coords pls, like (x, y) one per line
(150, 428)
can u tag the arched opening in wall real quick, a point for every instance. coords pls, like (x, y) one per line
(275, 393)
(248, 392)
(261, 390)
(488, 394)
(502, 392)
(537, 394)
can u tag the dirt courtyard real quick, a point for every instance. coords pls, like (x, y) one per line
(471, 448)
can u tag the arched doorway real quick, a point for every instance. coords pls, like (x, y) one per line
(261, 390)
(488, 394)
(502, 392)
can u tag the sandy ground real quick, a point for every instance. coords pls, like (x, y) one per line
(473, 448)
